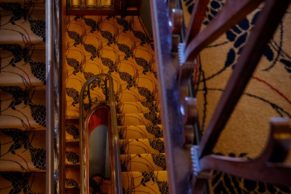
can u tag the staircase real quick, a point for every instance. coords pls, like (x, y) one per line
(118, 47)
(22, 96)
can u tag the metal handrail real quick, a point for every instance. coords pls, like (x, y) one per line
(53, 94)
(113, 136)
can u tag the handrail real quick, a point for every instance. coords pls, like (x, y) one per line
(53, 94)
(113, 134)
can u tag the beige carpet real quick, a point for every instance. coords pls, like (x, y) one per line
(267, 95)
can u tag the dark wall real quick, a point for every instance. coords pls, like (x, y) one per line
(145, 14)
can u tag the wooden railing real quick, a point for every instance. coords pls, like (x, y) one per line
(174, 74)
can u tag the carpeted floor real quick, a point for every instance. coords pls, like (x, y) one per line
(118, 47)
(267, 95)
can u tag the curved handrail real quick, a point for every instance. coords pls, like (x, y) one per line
(113, 134)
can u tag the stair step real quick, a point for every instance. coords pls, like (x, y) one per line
(125, 79)
(77, 75)
(16, 114)
(71, 184)
(72, 156)
(72, 178)
(143, 162)
(72, 133)
(30, 182)
(140, 131)
(128, 74)
(149, 118)
(135, 96)
(132, 182)
(145, 182)
(22, 151)
(74, 84)
(134, 70)
(20, 30)
(125, 132)
(21, 73)
(140, 146)
(137, 107)
(73, 112)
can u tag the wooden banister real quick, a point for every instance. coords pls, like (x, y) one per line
(261, 168)
(267, 23)
(196, 19)
(232, 12)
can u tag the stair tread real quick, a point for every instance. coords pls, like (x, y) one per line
(140, 131)
(132, 82)
(34, 182)
(71, 183)
(72, 178)
(75, 83)
(133, 95)
(149, 118)
(141, 82)
(72, 157)
(145, 182)
(13, 34)
(146, 118)
(72, 112)
(140, 146)
(143, 162)
(136, 107)
(23, 74)
(25, 116)
(72, 133)
(28, 27)
(22, 151)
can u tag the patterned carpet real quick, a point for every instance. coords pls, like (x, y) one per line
(118, 47)
(22, 97)
(267, 95)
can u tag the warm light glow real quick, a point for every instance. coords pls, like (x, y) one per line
(91, 3)
(75, 3)
(105, 3)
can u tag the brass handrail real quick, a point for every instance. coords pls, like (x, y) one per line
(113, 134)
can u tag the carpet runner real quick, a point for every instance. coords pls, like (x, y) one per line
(119, 47)
(22, 97)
